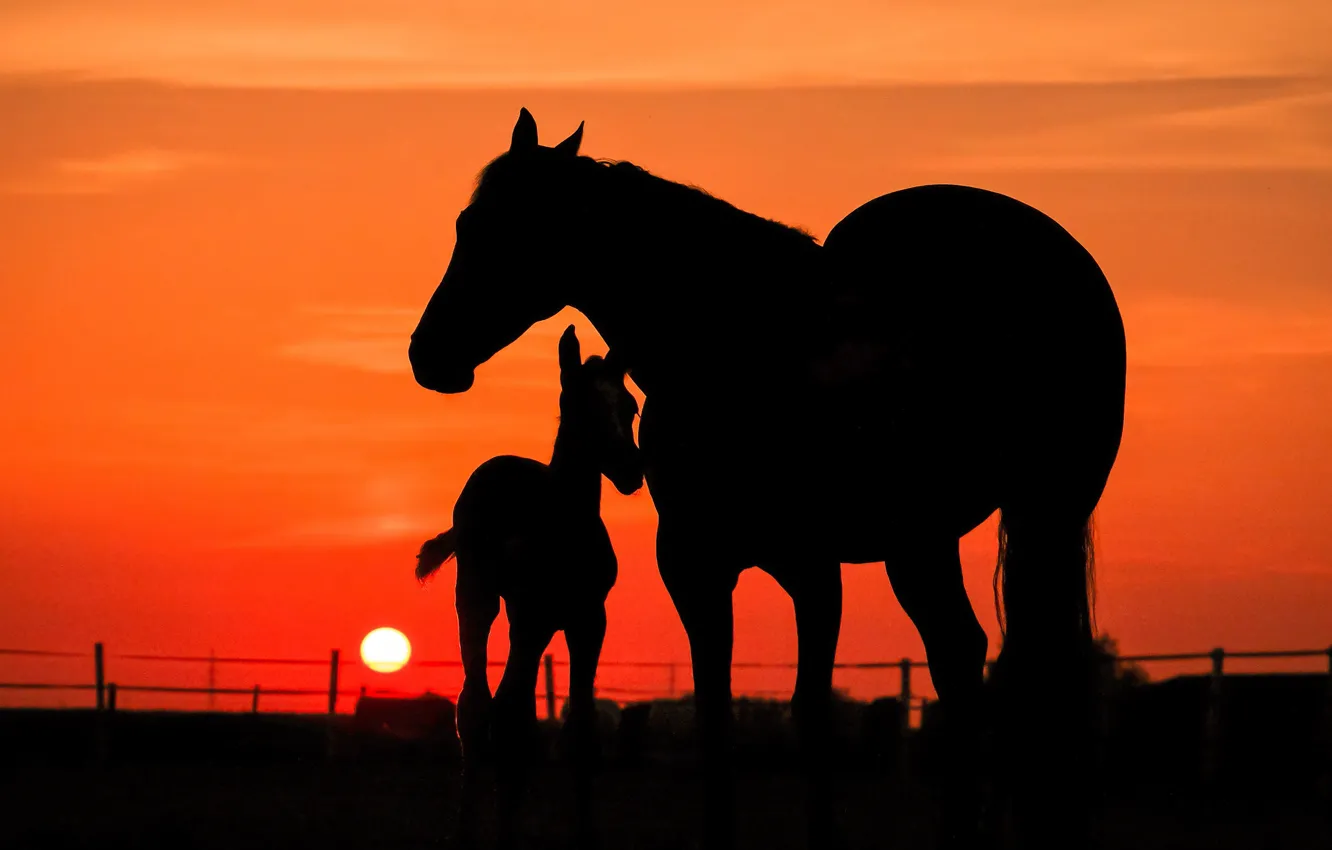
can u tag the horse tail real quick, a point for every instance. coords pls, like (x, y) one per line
(435, 552)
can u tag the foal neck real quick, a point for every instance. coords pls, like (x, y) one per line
(573, 465)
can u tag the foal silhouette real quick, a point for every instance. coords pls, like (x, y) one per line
(946, 353)
(531, 534)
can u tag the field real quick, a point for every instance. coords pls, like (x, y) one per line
(193, 780)
(313, 805)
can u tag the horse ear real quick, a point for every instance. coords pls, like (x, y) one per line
(571, 356)
(524, 132)
(613, 361)
(569, 147)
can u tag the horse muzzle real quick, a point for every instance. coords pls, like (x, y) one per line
(435, 373)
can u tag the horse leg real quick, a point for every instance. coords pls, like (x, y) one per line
(1047, 752)
(515, 725)
(816, 592)
(702, 592)
(477, 609)
(584, 637)
(927, 580)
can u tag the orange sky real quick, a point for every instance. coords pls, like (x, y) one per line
(210, 437)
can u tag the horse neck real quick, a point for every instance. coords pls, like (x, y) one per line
(575, 471)
(710, 270)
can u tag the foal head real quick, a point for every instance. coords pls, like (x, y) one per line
(597, 414)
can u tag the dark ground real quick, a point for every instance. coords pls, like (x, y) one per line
(77, 778)
(313, 805)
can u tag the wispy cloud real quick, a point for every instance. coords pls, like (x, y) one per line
(349, 530)
(111, 172)
(1169, 330)
(1249, 129)
(386, 355)
(383, 505)
(366, 338)
(394, 43)
(374, 338)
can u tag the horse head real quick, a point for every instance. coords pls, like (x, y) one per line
(515, 261)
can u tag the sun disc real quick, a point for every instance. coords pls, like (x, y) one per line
(385, 650)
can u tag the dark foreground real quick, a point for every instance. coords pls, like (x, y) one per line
(310, 804)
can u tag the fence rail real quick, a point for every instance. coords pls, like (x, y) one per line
(107, 691)
(335, 662)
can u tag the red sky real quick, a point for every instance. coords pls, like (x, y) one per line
(218, 226)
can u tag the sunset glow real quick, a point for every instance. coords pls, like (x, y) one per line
(219, 223)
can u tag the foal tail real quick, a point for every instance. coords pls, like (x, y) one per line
(435, 552)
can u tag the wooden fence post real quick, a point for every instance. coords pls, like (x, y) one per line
(254, 701)
(905, 698)
(1327, 733)
(671, 686)
(1212, 720)
(904, 718)
(100, 667)
(105, 724)
(330, 739)
(333, 682)
(550, 687)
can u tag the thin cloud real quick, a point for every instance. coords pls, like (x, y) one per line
(374, 338)
(261, 439)
(1168, 330)
(111, 172)
(379, 355)
(366, 338)
(1253, 131)
(347, 531)
(482, 43)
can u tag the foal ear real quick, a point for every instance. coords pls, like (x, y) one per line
(569, 147)
(571, 356)
(524, 132)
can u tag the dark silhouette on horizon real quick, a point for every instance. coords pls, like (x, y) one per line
(945, 353)
(531, 534)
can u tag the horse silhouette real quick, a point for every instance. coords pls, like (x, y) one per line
(945, 353)
(531, 534)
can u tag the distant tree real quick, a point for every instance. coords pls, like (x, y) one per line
(1123, 674)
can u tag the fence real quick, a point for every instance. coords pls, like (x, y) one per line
(106, 692)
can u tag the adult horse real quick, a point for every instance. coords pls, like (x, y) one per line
(946, 353)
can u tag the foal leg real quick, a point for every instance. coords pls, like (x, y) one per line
(515, 724)
(584, 637)
(701, 588)
(477, 609)
(927, 579)
(816, 592)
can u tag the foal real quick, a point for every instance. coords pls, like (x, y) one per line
(531, 534)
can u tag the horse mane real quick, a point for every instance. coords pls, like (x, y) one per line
(694, 200)
(673, 199)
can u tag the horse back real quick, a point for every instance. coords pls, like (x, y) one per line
(950, 336)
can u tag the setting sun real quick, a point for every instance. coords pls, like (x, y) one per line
(385, 650)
